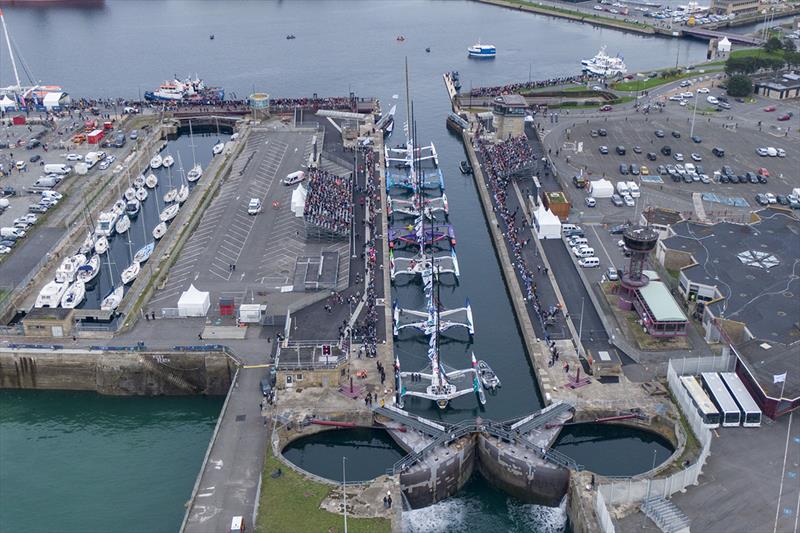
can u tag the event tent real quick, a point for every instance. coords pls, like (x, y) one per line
(193, 302)
(299, 200)
(601, 188)
(548, 225)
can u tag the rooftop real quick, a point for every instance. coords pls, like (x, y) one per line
(784, 81)
(48, 313)
(764, 360)
(661, 216)
(511, 100)
(663, 307)
(755, 267)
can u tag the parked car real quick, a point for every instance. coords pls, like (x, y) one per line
(696, 157)
(762, 199)
(74, 157)
(697, 139)
(785, 117)
(676, 134)
(602, 132)
(606, 108)
(611, 274)
(616, 199)
(590, 202)
(628, 199)
(618, 229)
(623, 169)
(717, 151)
(769, 108)
(620, 150)
(604, 150)
(659, 134)
(651, 156)
(666, 150)
(678, 156)
(637, 149)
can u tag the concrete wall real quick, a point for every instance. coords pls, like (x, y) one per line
(441, 475)
(117, 373)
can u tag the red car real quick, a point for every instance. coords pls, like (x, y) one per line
(769, 109)
(606, 108)
(787, 116)
(763, 172)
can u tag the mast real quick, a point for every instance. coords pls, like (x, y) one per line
(191, 138)
(10, 52)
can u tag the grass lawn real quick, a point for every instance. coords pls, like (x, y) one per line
(643, 85)
(290, 503)
(757, 52)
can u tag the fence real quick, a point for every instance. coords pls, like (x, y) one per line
(631, 490)
(603, 517)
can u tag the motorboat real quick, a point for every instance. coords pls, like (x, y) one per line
(489, 379)
(169, 213)
(159, 230)
(101, 245)
(183, 193)
(130, 193)
(482, 50)
(170, 195)
(113, 299)
(196, 173)
(89, 271)
(141, 194)
(144, 252)
(130, 273)
(50, 295)
(132, 207)
(156, 161)
(123, 223)
(465, 167)
(604, 65)
(400, 38)
(290, 36)
(188, 89)
(218, 148)
(105, 224)
(74, 295)
(168, 161)
(87, 246)
(151, 181)
(119, 207)
(139, 181)
(69, 268)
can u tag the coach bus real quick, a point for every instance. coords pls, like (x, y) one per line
(748, 406)
(705, 408)
(731, 416)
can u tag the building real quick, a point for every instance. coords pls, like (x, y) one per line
(781, 87)
(508, 114)
(734, 7)
(660, 219)
(741, 281)
(48, 322)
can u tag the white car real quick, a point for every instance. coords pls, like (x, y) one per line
(688, 94)
(676, 98)
(712, 100)
(104, 164)
(52, 194)
(703, 90)
(628, 199)
(772, 152)
(781, 152)
(763, 152)
(678, 156)
(590, 202)
(254, 207)
(771, 198)
(5, 250)
(696, 157)
(20, 165)
(74, 157)
(597, 88)
(682, 103)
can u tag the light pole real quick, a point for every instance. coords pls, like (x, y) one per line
(694, 113)
(580, 324)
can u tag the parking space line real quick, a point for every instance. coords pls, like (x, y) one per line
(608, 256)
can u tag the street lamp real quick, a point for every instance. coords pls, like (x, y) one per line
(694, 113)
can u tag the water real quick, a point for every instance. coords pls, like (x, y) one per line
(345, 46)
(78, 461)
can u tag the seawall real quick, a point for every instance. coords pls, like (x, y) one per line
(117, 373)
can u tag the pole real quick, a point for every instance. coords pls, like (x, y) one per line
(649, 483)
(10, 52)
(780, 398)
(344, 494)
(694, 113)
(580, 324)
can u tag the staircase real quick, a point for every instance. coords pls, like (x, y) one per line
(666, 515)
(540, 418)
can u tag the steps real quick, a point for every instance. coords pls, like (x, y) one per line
(665, 515)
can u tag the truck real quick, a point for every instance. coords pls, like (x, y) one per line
(57, 168)
(92, 158)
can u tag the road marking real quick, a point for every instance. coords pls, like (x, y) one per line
(783, 473)
(594, 229)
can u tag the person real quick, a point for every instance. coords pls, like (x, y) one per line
(200, 336)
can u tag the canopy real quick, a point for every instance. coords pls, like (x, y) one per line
(601, 188)
(724, 45)
(548, 225)
(52, 100)
(7, 103)
(193, 302)
(299, 200)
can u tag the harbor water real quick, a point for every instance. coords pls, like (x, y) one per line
(341, 47)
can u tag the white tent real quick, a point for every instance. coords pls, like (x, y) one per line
(299, 200)
(601, 188)
(193, 302)
(7, 103)
(548, 225)
(54, 100)
(724, 46)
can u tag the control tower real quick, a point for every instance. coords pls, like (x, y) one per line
(640, 240)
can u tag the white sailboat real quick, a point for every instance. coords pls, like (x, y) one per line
(151, 181)
(50, 295)
(144, 252)
(159, 230)
(183, 193)
(130, 193)
(69, 267)
(101, 245)
(130, 273)
(169, 213)
(87, 246)
(123, 223)
(74, 295)
(139, 181)
(89, 271)
(218, 148)
(114, 298)
(132, 207)
(156, 161)
(169, 196)
(119, 207)
(141, 194)
(168, 161)
(195, 173)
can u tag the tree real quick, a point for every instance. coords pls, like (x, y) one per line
(740, 65)
(789, 46)
(773, 45)
(792, 58)
(740, 85)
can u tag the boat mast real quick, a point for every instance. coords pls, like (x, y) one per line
(10, 52)
(191, 138)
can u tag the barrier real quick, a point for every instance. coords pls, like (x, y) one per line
(603, 517)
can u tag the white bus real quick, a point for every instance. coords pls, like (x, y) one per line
(748, 406)
(705, 408)
(713, 385)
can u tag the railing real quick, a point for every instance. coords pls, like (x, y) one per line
(665, 515)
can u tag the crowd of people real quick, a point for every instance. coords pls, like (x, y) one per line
(329, 203)
(527, 85)
(509, 157)
(496, 157)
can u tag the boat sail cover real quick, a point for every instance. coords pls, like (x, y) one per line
(193, 302)
(299, 200)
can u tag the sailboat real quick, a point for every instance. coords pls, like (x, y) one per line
(169, 213)
(130, 273)
(123, 223)
(101, 245)
(183, 190)
(132, 207)
(144, 252)
(141, 194)
(87, 246)
(159, 230)
(113, 299)
(74, 295)
(138, 182)
(89, 271)
(151, 181)
(195, 173)
(130, 193)
(218, 148)
(168, 161)
(156, 161)
(169, 196)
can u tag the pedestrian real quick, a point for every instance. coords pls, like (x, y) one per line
(147, 316)
(200, 336)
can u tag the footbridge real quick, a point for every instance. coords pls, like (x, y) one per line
(735, 38)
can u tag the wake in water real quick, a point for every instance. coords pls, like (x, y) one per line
(471, 512)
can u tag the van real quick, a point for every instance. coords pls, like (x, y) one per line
(717, 151)
(12, 232)
(622, 188)
(294, 177)
(583, 252)
(57, 168)
(119, 140)
(633, 189)
(46, 182)
(254, 207)
(579, 181)
(92, 158)
(577, 242)
(568, 228)
(589, 262)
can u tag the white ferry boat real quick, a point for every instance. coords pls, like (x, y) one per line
(604, 65)
(482, 50)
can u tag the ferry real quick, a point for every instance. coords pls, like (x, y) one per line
(186, 90)
(482, 50)
(604, 65)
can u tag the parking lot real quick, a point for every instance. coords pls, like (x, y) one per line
(247, 256)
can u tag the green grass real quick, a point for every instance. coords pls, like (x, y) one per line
(290, 503)
(756, 52)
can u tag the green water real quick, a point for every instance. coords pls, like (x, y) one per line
(78, 461)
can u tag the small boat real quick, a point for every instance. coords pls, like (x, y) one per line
(87, 246)
(50, 295)
(290, 36)
(101, 245)
(465, 167)
(69, 267)
(130, 273)
(144, 253)
(400, 38)
(168, 161)
(183, 194)
(105, 224)
(211, 37)
(428, 49)
(196, 173)
(139, 181)
(130, 193)
(159, 230)
(114, 298)
(489, 379)
(235, 136)
(89, 271)
(141, 194)
(218, 148)
(170, 195)
(119, 207)
(482, 50)
(151, 181)
(74, 295)
(132, 207)
(169, 213)
(156, 162)
(123, 223)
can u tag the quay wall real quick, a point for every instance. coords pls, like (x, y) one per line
(117, 373)
(441, 475)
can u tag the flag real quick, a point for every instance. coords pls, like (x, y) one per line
(779, 378)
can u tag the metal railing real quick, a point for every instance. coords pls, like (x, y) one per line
(665, 515)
